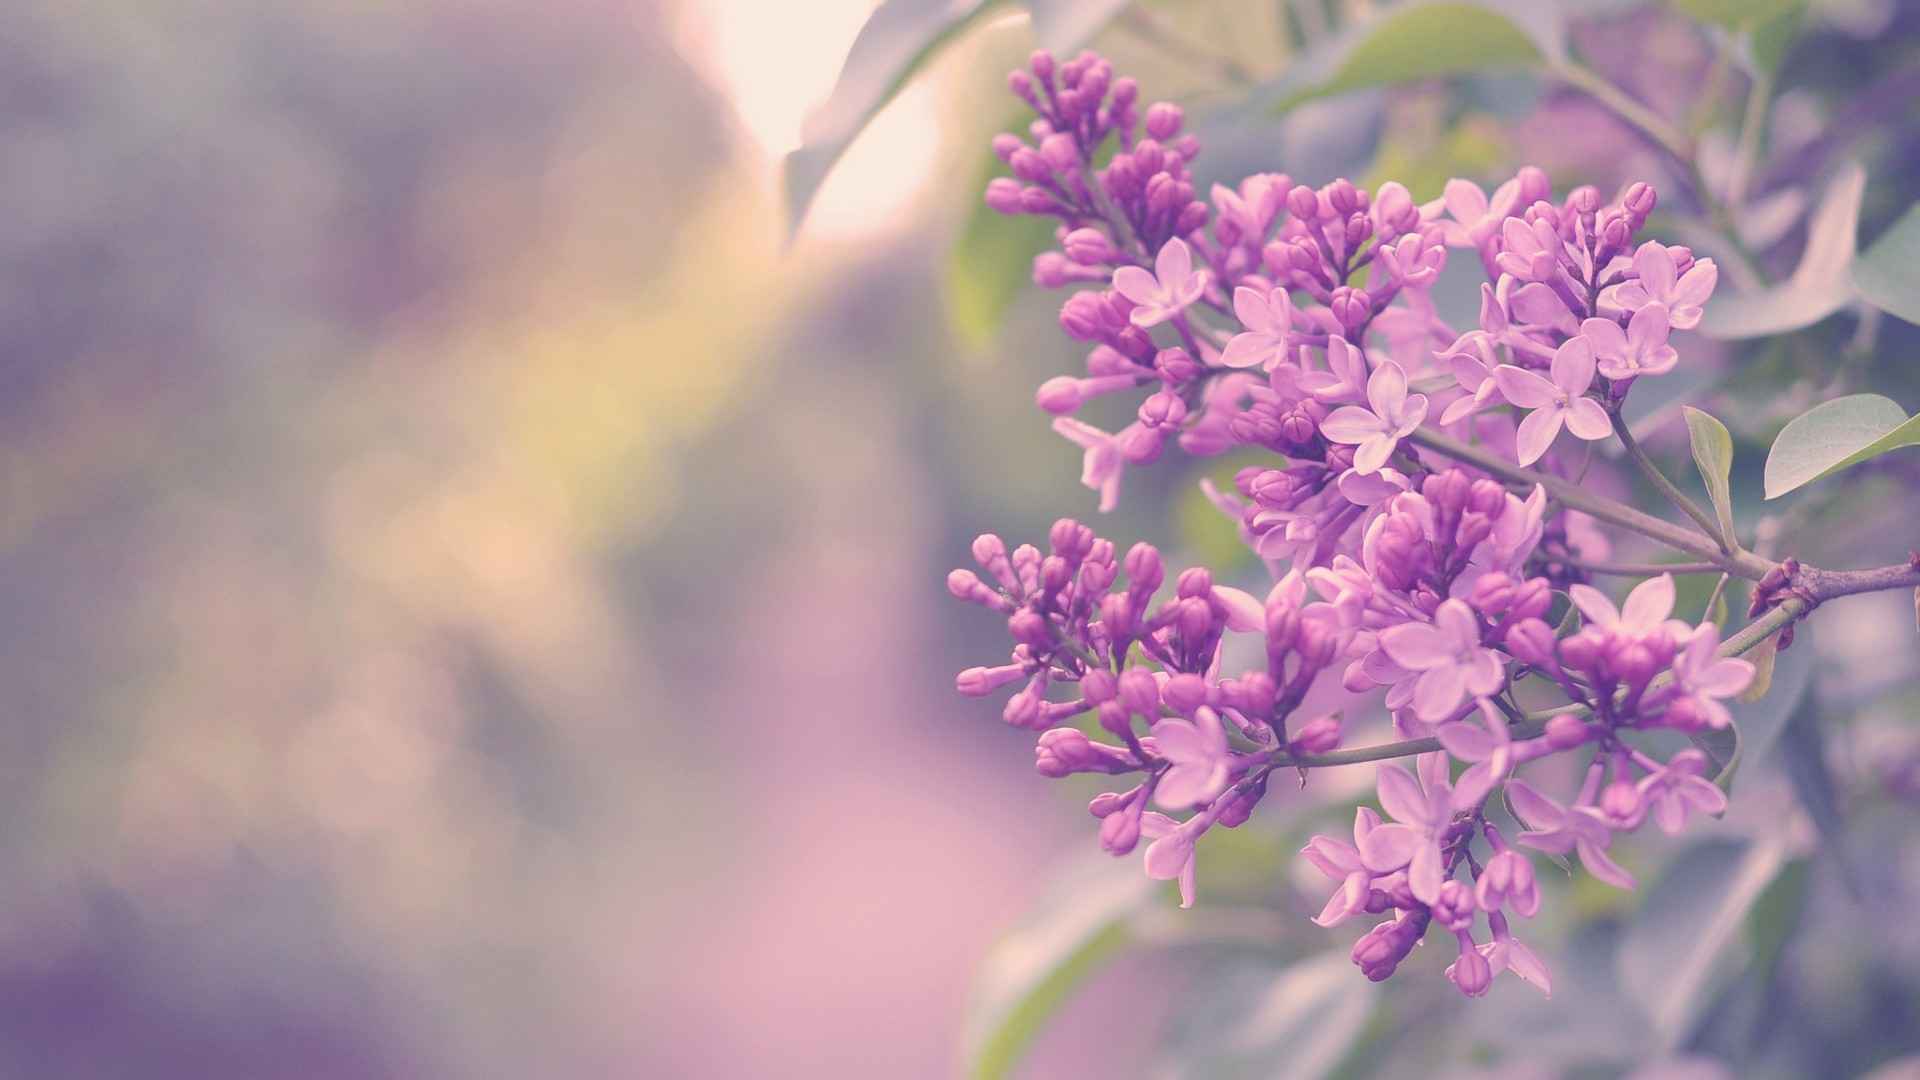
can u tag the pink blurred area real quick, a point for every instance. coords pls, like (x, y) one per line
(476, 591)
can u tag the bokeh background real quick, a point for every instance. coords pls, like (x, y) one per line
(474, 581)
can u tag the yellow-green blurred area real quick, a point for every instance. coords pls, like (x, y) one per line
(473, 593)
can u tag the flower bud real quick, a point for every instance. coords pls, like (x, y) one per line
(1240, 804)
(1566, 731)
(1471, 973)
(1029, 628)
(1023, 709)
(1534, 184)
(1139, 692)
(1486, 497)
(1492, 593)
(1454, 907)
(1164, 120)
(1145, 571)
(1621, 805)
(1003, 195)
(1120, 832)
(1176, 366)
(1304, 205)
(1062, 154)
(1185, 693)
(1088, 247)
(1532, 598)
(1317, 736)
(1163, 410)
(1531, 642)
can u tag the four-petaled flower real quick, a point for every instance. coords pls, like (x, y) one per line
(1104, 460)
(1558, 829)
(1475, 218)
(1659, 282)
(1643, 615)
(1267, 316)
(1196, 751)
(1703, 676)
(1561, 400)
(1640, 349)
(1393, 415)
(1421, 812)
(1449, 656)
(1677, 788)
(1170, 856)
(1167, 290)
(1341, 862)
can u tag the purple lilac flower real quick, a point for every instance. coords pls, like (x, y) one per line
(1171, 288)
(1449, 656)
(1268, 318)
(1663, 275)
(1554, 402)
(1391, 415)
(1394, 569)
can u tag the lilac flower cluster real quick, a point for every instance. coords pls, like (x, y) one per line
(1404, 580)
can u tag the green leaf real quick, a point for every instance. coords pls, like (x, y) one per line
(1417, 41)
(897, 39)
(1820, 285)
(1764, 656)
(1686, 941)
(1713, 453)
(1836, 435)
(1736, 14)
(1888, 273)
(990, 265)
(1308, 1017)
(1085, 920)
(1065, 25)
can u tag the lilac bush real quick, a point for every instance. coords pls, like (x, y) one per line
(1417, 501)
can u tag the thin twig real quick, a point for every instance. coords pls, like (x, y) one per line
(1665, 486)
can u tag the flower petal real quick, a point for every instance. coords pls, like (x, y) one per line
(1649, 604)
(1573, 365)
(1537, 432)
(1137, 285)
(1524, 388)
(1595, 859)
(1594, 605)
(1387, 390)
(1587, 420)
(1415, 646)
(1439, 691)
(1174, 265)
(1351, 424)
(1374, 453)
(1424, 874)
(1400, 796)
(1535, 810)
(1390, 847)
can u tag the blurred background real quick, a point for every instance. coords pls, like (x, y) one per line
(475, 581)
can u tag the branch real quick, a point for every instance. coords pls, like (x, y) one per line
(1635, 569)
(1739, 563)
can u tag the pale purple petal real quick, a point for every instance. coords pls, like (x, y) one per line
(1351, 424)
(1537, 432)
(1387, 390)
(1137, 285)
(1586, 419)
(1594, 605)
(1595, 859)
(1484, 673)
(1535, 810)
(1439, 691)
(1523, 962)
(1649, 604)
(1390, 847)
(1725, 678)
(1573, 366)
(1524, 388)
(1468, 742)
(1373, 453)
(1400, 796)
(1174, 264)
(1415, 646)
(1424, 874)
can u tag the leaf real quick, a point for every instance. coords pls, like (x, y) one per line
(1417, 41)
(989, 265)
(1030, 972)
(897, 39)
(1065, 25)
(1836, 435)
(1888, 273)
(1299, 1024)
(1678, 951)
(1713, 453)
(1736, 14)
(1764, 657)
(1820, 285)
